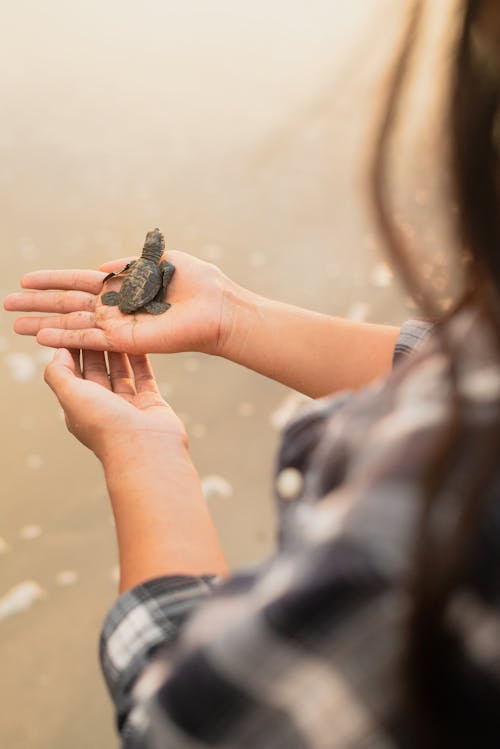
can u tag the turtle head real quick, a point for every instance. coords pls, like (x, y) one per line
(154, 246)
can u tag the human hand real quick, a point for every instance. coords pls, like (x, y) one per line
(112, 414)
(163, 525)
(74, 317)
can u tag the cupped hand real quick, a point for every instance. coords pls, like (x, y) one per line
(103, 410)
(73, 316)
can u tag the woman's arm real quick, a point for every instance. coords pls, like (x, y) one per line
(313, 353)
(163, 525)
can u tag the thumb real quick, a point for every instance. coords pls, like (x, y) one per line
(60, 372)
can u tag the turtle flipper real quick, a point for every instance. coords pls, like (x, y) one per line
(156, 306)
(167, 271)
(111, 298)
(118, 272)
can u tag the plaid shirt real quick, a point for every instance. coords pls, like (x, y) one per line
(301, 651)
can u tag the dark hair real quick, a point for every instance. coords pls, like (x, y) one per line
(455, 701)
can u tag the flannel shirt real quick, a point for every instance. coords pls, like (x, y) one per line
(301, 651)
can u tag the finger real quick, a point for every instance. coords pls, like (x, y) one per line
(81, 280)
(95, 369)
(120, 374)
(71, 321)
(145, 381)
(113, 265)
(50, 301)
(93, 339)
(75, 355)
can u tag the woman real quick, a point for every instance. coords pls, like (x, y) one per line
(377, 622)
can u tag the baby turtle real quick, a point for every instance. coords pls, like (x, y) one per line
(146, 282)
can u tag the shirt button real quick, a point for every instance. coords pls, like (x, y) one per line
(289, 483)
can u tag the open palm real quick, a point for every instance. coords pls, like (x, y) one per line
(105, 402)
(73, 316)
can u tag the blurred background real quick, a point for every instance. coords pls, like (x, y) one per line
(242, 130)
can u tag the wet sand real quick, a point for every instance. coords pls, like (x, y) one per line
(238, 132)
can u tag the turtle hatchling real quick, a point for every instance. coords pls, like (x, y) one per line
(146, 282)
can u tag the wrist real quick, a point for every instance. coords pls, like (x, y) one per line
(241, 314)
(134, 450)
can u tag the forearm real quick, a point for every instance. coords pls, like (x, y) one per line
(313, 353)
(162, 521)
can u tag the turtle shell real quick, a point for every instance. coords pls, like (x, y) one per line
(140, 285)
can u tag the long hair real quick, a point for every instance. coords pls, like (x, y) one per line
(454, 701)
